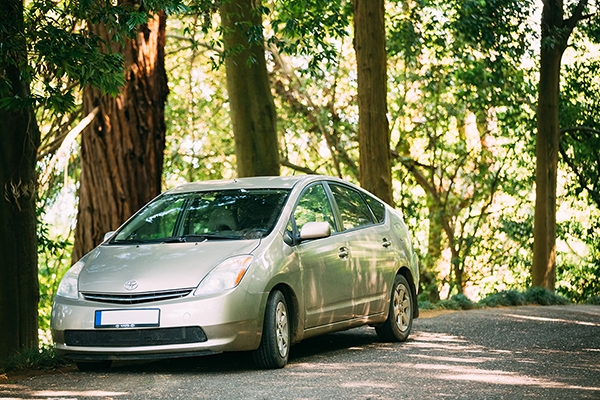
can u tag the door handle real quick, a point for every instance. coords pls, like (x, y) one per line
(386, 243)
(343, 253)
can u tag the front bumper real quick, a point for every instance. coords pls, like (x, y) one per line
(228, 321)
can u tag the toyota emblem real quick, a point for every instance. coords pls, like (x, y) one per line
(130, 285)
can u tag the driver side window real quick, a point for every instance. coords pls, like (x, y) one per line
(314, 206)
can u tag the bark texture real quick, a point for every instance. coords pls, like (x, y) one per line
(373, 129)
(555, 35)
(19, 138)
(122, 149)
(252, 110)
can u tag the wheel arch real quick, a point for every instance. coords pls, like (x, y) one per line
(293, 310)
(405, 271)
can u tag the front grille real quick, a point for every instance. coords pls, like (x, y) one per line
(134, 337)
(136, 298)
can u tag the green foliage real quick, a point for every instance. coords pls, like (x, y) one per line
(53, 261)
(594, 300)
(457, 114)
(544, 297)
(504, 298)
(306, 27)
(578, 274)
(43, 358)
(457, 302)
(199, 143)
(580, 119)
(63, 54)
(425, 305)
(578, 277)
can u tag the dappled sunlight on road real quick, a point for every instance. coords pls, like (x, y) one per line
(435, 341)
(85, 393)
(510, 378)
(447, 343)
(436, 357)
(469, 360)
(542, 319)
(24, 392)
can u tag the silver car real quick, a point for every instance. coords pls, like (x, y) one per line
(253, 264)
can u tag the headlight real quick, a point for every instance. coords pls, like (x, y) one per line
(224, 276)
(68, 285)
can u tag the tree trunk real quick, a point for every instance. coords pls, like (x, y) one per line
(122, 149)
(553, 44)
(373, 129)
(252, 110)
(428, 275)
(19, 138)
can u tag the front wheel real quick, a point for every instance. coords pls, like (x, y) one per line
(400, 317)
(275, 343)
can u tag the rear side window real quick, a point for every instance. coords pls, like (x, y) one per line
(376, 206)
(352, 207)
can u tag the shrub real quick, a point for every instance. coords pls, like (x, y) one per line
(457, 302)
(593, 300)
(544, 297)
(427, 305)
(504, 298)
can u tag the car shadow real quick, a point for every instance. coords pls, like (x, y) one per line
(320, 346)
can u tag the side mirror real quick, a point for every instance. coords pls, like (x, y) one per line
(107, 236)
(315, 230)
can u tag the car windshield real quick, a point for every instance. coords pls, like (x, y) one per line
(200, 216)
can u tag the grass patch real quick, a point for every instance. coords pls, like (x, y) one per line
(44, 358)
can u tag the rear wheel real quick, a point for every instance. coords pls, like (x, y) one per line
(275, 343)
(400, 317)
(85, 366)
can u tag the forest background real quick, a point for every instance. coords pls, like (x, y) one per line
(133, 98)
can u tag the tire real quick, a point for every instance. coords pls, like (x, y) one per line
(400, 317)
(89, 366)
(274, 346)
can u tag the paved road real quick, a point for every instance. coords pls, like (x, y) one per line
(509, 353)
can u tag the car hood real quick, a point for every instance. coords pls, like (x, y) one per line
(155, 267)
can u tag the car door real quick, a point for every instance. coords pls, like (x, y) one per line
(324, 262)
(373, 260)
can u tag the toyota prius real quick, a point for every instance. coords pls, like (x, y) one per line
(251, 264)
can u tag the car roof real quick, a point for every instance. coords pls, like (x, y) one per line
(258, 182)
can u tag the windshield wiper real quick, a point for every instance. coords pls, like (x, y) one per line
(128, 241)
(196, 238)
(209, 236)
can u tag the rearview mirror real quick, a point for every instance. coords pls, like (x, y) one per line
(315, 230)
(108, 235)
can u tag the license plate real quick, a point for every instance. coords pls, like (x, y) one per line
(147, 317)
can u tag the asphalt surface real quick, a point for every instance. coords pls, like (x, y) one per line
(507, 353)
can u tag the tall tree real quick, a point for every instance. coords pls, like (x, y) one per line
(19, 136)
(252, 110)
(122, 149)
(373, 129)
(556, 31)
(458, 88)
